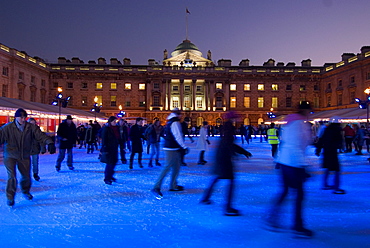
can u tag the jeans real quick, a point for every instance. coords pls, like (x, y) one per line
(35, 163)
(154, 151)
(25, 182)
(61, 156)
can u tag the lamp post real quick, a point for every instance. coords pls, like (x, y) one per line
(96, 107)
(271, 114)
(121, 113)
(60, 101)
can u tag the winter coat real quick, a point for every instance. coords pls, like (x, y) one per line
(68, 132)
(109, 143)
(90, 135)
(295, 138)
(154, 133)
(202, 140)
(331, 141)
(136, 137)
(19, 144)
(37, 147)
(224, 167)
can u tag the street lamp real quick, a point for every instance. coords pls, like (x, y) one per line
(365, 105)
(271, 114)
(121, 113)
(96, 108)
(60, 101)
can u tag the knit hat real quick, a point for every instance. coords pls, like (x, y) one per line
(20, 113)
(112, 118)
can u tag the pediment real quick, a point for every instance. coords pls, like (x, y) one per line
(180, 58)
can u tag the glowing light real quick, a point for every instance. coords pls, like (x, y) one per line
(32, 60)
(5, 48)
(340, 64)
(84, 68)
(21, 54)
(352, 59)
(120, 107)
(288, 70)
(329, 68)
(96, 99)
(70, 68)
(60, 89)
(367, 54)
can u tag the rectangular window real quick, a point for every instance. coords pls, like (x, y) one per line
(84, 85)
(156, 85)
(69, 85)
(99, 86)
(199, 102)
(21, 76)
(219, 103)
(316, 102)
(113, 86)
(218, 86)
(288, 87)
(329, 101)
(5, 71)
(4, 92)
(20, 93)
(260, 102)
(33, 96)
(302, 88)
(247, 87)
(141, 86)
(142, 101)
(368, 76)
(33, 80)
(175, 102)
(340, 99)
(43, 83)
(187, 87)
(233, 102)
(329, 86)
(352, 96)
(288, 102)
(274, 102)
(127, 102)
(340, 83)
(187, 101)
(274, 87)
(43, 97)
(156, 101)
(127, 86)
(260, 87)
(316, 87)
(99, 100)
(113, 101)
(199, 88)
(247, 102)
(352, 79)
(232, 87)
(175, 88)
(83, 101)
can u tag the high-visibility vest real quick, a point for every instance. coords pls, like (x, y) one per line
(272, 136)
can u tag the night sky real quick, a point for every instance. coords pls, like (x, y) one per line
(284, 30)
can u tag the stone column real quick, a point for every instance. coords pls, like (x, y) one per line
(194, 93)
(227, 94)
(181, 97)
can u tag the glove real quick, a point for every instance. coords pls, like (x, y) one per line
(51, 148)
(186, 150)
(248, 154)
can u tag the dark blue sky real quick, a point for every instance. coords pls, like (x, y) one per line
(285, 30)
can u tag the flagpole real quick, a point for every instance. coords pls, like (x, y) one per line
(186, 23)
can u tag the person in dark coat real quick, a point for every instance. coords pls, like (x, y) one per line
(37, 148)
(123, 136)
(17, 137)
(90, 138)
(109, 150)
(136, 136)
(67, 136)
(330, 142)
(224, 167)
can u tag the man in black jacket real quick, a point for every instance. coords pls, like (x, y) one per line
(67, 136)
(17, 137)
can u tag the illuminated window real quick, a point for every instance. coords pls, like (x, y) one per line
(187, 101)
(83, 100)
(99, 86)
(113, 86)
(233, 102)
(175, 102)
(199, 102)
(260, 102)
(247, 87)
(141, 86)
(175, 88)
(233, 87)
(261, 87)
(219, 86)
(288, 102)
(187, 87)
(199, 88)
(274, 102)
(113, 101)
(302, 88)
(247, 102)
(274, 87)
(127, 86)
(100, 100)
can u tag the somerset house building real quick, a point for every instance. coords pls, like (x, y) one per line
(188, 80)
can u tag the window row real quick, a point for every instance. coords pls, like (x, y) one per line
(112, 101)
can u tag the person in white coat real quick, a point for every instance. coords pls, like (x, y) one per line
(202, 143)
(291, 159)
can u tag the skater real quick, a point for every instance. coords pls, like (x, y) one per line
(123, 135)
(90, 138)
(35, 152)
(136, 136)
(291, 160)
(202, 143)
(67, 136)
(273, 139)
(173, 146)
(17, 137)
(155, 132)
(224, 167)
(109, 150)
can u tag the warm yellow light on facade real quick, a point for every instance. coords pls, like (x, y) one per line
(120, 107)
(367, 91)
(60, 89)
(96, 99)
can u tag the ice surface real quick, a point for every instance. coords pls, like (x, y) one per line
(76, 209)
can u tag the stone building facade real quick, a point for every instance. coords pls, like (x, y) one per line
(203, 89)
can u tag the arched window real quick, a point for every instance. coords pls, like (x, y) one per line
(247, 121)
(200, 121)
(260, 121)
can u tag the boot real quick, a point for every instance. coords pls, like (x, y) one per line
(201, 158)
(150, 165)
(157, 163)
(36, 177)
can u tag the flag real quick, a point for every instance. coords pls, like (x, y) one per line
(187, 11)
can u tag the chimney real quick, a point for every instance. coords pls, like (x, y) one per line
(62, 60)
(151, 62)
(114, 61)
(290, 64)
(224, 62)
(101, 61)
(244, 62)
(306, 63)
(365, 49)
(346, 56)
(269, 62)
(75, 60)
(127, 61)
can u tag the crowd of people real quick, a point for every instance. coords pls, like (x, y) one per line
(23, 142)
